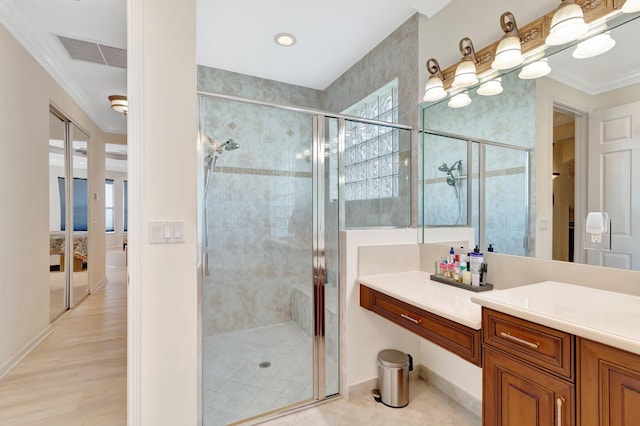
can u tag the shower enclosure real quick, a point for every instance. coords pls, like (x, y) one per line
(486, 186)
(274, 201)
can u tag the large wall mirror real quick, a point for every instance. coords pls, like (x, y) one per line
(523, 168)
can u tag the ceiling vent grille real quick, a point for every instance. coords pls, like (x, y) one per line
(93, 52)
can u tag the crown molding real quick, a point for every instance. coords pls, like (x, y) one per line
(587, 86)
(14, 22)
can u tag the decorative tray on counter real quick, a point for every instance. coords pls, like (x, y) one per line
(449, 281)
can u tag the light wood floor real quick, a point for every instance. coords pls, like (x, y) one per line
(77, 376)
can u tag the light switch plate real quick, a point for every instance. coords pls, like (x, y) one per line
(163, 232)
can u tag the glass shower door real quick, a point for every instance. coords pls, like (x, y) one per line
(267, 255)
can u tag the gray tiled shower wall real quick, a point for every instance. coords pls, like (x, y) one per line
(257, 250)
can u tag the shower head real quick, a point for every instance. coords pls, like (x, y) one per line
(230, 145)
(455, 166)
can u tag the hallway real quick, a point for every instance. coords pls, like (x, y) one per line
(77, 375)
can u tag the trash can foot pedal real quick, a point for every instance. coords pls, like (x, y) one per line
(376, 395)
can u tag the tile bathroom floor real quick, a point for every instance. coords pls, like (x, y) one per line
(235, 387)
(427, 407)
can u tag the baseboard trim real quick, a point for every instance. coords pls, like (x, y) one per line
(366, 387)
(361, 389)
(454, 392)
(99, 286)
(24, 351)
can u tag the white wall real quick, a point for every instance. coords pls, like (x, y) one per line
(164, 300)
(27, 91)
(364, 333)
(367, 252)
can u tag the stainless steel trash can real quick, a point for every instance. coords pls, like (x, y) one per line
(393, 377)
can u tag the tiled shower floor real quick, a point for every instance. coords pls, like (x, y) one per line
(236, 387)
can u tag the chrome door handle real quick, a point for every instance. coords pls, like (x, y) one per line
(413, 320)
(510, 336)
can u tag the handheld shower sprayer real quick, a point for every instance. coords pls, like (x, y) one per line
(451, 179)
(215, 148)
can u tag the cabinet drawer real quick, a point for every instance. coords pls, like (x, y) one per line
(457, 338)
(545, 347)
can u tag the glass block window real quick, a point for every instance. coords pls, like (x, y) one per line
(371, 151)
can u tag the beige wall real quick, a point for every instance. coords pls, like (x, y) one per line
(164, 300)
(27, 91)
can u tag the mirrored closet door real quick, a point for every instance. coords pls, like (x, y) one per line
(68, 214)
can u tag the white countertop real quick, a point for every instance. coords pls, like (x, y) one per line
(415, 288)
(600, 315)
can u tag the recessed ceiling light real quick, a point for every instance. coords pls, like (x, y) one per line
(285, 39)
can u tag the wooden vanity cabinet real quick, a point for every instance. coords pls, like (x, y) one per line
(609, 386)
(457, 338)
(516, 393)
(528, 373)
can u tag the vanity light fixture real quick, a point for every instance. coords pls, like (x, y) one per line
(460, 100)
(466, 70)
(119, 103)
(631, 6)
(285, 39)
(434, 90)
(509, 50)
(491, 87)
(594, 46)
(535, 70)
(567, 24)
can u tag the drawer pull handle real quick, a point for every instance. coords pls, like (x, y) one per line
(413, 320)
(559, 403)
(519, 340)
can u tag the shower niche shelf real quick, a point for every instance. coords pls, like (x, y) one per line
(449, 281)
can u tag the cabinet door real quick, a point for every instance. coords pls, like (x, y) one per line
(609, 386)
(517, 394)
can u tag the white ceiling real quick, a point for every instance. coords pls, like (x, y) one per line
(36, 25)
(235, 35)
(332, 35)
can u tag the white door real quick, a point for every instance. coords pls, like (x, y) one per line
(614, 182)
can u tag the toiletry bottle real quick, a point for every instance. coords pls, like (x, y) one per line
(466, 274)
(490, 248)
(452, 256)
(475, 279)
(476, 262)
(463, 269)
